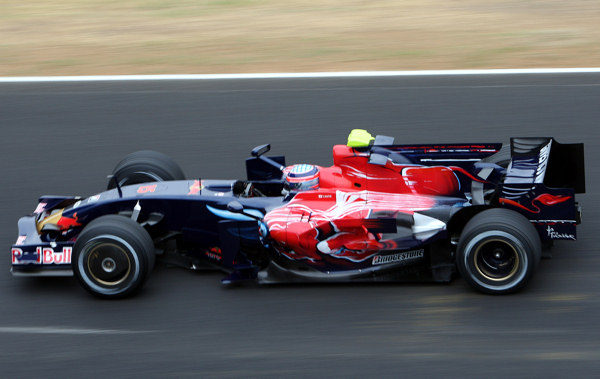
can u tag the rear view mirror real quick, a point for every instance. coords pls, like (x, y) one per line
(235, 207)
(260, 150)
(383, 141)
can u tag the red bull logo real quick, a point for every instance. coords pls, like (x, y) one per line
(20, 257)
(49, 256)
(196, 187)
(42, 255)
(68, 222)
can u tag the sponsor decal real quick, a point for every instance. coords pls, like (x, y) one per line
(196, 187)
(399, 257)
(147, 188)
(49, 256)
(40, 208)
(325, 196)
(18, 256)
(67, 222)
(549, 200)
(42, 255)
(554, 235)
(545, 199)
(16, 253)
(215, 253)
(93, 199)
(20, 240)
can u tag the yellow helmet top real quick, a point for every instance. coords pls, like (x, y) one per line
(359, 138)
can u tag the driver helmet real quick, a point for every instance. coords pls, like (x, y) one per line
(301, 177)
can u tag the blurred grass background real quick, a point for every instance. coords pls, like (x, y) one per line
(70, 37)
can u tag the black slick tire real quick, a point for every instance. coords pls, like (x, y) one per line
(113, 257)
(498, 251)
(145, 166)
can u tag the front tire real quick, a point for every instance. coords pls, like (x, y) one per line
(498, 251)
(113, 257)
(145, 166)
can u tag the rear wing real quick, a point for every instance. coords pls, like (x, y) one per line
(541, 182)
(543, 160)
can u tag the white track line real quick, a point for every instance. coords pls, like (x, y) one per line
(60, 330)
(292, 75)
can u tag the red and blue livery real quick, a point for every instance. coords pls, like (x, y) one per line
(381, 212)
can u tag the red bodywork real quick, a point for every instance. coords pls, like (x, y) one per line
(351, 170)
(334, 219)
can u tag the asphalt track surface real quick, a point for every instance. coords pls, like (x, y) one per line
(64, 138)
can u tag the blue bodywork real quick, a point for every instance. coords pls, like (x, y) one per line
(190, 217)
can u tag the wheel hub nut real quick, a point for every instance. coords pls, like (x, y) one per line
(108, 265)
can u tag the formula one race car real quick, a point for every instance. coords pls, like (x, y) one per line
(381, 212)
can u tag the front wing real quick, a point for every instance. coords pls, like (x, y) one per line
(33, 257)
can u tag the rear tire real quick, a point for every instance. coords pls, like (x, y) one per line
(145, 166)
(113, 257)
(498, 251)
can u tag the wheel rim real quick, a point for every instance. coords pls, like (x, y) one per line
(490, 282)
(108, 280)
(496, 260)
(108, 264)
